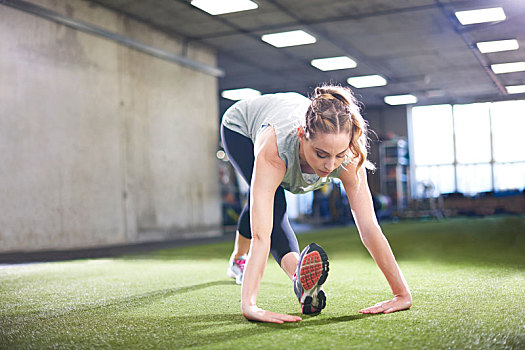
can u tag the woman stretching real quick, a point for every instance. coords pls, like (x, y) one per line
(287, 141)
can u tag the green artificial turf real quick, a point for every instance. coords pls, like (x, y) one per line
(467, 278)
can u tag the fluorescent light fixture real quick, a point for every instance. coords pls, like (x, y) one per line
(515, 89)
(240, 94)
(285, 39)
(333, 63)
(481, 16)
(508, 67)
(498, 45)
(366, 81)
(400, 100)
(215, 7)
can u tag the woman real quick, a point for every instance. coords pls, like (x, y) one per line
(286, 141)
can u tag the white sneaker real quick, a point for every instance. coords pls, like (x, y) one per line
(236, 269)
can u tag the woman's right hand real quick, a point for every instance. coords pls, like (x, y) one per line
(254, 313)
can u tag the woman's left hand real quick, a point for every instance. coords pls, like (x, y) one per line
(400, 302)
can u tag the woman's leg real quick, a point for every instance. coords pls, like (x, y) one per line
(284, 247)
(241, 247)
(289, 263)
(314, 261)
(240, 153)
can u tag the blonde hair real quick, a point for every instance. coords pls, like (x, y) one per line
(334, 109)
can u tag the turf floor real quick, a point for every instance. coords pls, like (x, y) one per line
(467, 278)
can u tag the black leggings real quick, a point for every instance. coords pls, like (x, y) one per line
(239, 149)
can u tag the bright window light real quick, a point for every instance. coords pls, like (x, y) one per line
(515, 89)
(474, 178)
(400, 99)
(498, 46)
(507, 131)
(366, 81)
(472, 133)
(333, 63)
(240, 94)
(479, 147)
(285, 39)
(508, 67)
(437, 178)
(214, 7)
(509, 176)
(433, 125)
(481, 16)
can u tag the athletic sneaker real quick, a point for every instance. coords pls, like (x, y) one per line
(311, 273)
(236, 269)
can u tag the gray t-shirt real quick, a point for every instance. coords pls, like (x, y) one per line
(285, 112)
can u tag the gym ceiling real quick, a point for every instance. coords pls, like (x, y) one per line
(418, 46)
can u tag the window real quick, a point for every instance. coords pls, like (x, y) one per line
(508, 126)
(469, 148)
(472, 130)
(433, 145)
(433, 135)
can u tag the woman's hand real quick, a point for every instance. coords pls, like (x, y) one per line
(253, 313)
(400, 302)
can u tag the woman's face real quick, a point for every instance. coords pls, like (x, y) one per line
(326, 152)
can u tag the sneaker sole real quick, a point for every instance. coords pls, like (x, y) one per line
(313, 273)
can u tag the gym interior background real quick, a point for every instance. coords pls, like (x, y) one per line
(110, 111)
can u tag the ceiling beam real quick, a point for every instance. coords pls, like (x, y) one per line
(186, 40)
(121, 39)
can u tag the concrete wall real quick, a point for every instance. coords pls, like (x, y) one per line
(101, 144)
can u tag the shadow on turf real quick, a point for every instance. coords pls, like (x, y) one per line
(219, 323)
(312, 320)
(220, 328)
(125, 302)
(180, 331)
(204, 329)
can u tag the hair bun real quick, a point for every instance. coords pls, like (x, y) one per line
(339, 93)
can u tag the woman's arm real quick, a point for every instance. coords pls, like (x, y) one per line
(363, 211)
(267, 175)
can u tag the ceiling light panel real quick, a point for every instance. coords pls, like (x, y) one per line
(515, 89)
(214, 7)
(292, 38)
(333, 63)
(400, 100)
(501, 68)
(481, 16)
(498, 45)
(367, 81)
(240, 94)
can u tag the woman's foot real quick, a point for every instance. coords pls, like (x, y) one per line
(312, 271)
(236, 269)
